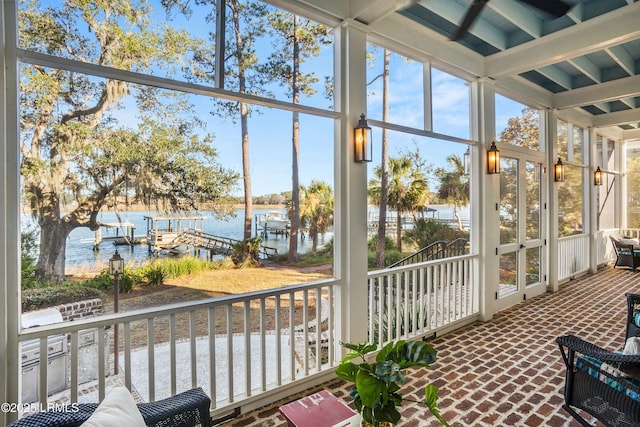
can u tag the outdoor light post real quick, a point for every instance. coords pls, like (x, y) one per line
(116, 267)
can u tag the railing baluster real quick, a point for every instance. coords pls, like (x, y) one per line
(194, 351)
(330, 326)
(172, 352)
(127, 354)
(151, 360)
(247, 348)
(263, 346)
(42, 377)
(278, 326)
(101, 362)
(305, 329)
(230, 366)
(73, 365)
(212, 357)
(292, 336)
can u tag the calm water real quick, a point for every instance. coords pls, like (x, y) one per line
(81, 257)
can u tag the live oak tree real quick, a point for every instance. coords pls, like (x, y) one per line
(97, 140)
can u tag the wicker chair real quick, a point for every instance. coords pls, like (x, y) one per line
(602, 383)
(633, 315)
(187, 409)
(627, 255)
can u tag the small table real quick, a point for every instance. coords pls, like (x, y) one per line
(321, 409)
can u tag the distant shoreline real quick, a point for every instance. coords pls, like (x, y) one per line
(141, 208)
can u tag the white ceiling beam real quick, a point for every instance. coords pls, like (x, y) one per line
(519, 15)
(608, 91)
(524, 91)
(617, 118)
(587, 67)
(370, 11)
(622, 58)
(329, 12)
(454, 13)
(631, 134)
(605, 108)
(577, 40)
(556, 75)
(414, 40)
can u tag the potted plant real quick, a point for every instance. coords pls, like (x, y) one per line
(376, 385)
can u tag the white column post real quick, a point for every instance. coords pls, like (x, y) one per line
(593, 198)
(548, 129)
(9, 213)
(351, 187)
(485, 194)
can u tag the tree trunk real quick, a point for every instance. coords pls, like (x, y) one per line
(53, 246)
(246, 173)
(295, 156)
(384, 170)
(244, 126)
(399, 231)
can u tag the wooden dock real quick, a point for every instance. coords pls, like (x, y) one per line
(219, 245)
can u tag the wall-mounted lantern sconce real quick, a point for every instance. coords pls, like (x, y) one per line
(493, 159)
(467, 161)
(362, 141)
(559, 171)
(597, 176)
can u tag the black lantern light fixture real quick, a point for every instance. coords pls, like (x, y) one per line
(558, 170)
(493, 159)
(116, 268)
(362, 141)
(597, 176)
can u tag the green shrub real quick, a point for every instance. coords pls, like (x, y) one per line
(392, 256)
(389, 243)
(104, 281)
(35, 299)
(155, 275)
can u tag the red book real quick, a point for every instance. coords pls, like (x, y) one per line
(322, 409)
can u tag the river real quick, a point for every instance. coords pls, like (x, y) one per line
(81, 258)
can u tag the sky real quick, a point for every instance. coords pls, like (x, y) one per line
(270, 129)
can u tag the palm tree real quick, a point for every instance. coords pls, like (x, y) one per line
(316, 209)
(407, 191)
(454, 186)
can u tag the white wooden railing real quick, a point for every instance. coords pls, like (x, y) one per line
(244, 349)
(234, 347)
(573, 255)
(419, 299)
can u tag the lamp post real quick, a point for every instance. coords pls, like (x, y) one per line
(116, 268)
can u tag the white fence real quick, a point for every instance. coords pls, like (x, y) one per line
(233, 347)
(418, 299)
(573, 255)
(245, 349)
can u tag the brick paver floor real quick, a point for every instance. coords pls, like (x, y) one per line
(508, 371)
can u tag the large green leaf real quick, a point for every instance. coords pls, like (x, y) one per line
(431, 399)
(369, 387)
(347, 371)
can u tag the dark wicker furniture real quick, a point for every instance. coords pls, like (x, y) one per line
(627, 255)
(592, 387)
(633, 315)
(187, 409)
